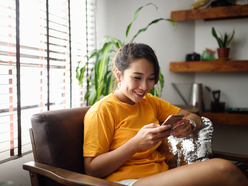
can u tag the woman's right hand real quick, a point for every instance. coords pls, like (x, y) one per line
(149, 135)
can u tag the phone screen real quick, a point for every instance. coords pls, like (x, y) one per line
(172, 120)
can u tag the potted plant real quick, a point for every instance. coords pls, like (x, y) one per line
(101, 79)
(223, 42)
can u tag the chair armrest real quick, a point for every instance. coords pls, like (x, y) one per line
(64, 176)
(231, 156)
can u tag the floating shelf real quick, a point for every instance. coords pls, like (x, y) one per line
(216, 13)
(226, 118)
(209, 66)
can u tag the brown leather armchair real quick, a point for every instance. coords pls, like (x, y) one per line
(57, 141)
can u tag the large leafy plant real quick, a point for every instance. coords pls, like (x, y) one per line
(225, 41)
(101, 79)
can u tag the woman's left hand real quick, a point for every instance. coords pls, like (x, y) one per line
(182, 129)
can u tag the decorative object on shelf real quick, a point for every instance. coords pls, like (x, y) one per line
(241, 2)
(193, 57)
(219, 3)
(101, 80)
(223, 42)
(240, 110)
(207, 55)
(217, 13)
(199, 3)
(195, 95)
(216, 105)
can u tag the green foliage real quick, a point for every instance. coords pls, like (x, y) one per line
(8, 183)
(101, 80)
(225, 41)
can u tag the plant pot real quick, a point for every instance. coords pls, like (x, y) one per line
(223, 53)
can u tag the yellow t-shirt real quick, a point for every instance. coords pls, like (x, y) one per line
(110, 123)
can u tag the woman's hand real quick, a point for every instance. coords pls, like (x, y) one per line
(182, 129)
(149, 136)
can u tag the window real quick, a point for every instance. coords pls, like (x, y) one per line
(38, 59)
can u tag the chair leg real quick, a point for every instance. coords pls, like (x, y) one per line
(34, 179)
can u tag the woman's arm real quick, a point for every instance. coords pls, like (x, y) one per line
(106, 163)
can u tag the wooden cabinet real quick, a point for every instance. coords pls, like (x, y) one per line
(226, 12)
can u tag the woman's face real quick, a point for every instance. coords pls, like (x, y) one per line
(136, 81)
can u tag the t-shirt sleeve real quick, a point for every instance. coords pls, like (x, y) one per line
(164, 108)
(98, 134)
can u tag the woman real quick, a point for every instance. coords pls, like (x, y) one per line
(122, 131)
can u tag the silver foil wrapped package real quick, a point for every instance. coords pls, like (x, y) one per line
(196, 147)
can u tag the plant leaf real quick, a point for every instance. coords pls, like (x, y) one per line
(231, 39)
(115, 41)
(225, 40)
(153, 22)
(77, 74)
(109, 85)
(86, 94)
(157, 90)
(102, 67)
(80, 75)
(161, 82)
(135, 17)
(152, 91)
(93, 96)
(217, 38)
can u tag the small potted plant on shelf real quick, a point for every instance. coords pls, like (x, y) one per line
(223, 42)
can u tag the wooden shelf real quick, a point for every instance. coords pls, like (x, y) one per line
(224, 12)
(226, 118)
(209, 66)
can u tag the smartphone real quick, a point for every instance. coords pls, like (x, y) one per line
(172, 120)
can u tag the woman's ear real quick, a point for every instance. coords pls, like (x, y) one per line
(118, 75)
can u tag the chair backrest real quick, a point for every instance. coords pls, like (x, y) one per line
(57, 138)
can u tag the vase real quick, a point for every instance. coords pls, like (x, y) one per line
(223, 53)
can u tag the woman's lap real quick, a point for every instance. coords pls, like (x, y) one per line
(209, 172)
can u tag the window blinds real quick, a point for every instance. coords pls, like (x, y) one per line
(52, 38)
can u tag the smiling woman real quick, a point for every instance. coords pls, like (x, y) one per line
(122, 134)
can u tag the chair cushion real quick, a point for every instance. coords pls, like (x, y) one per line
(58, 138)
(194, 148)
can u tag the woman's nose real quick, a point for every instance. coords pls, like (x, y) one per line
(144, 85)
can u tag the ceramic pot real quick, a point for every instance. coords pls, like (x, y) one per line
(223, 53)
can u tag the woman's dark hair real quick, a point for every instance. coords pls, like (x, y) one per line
(133, 51)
